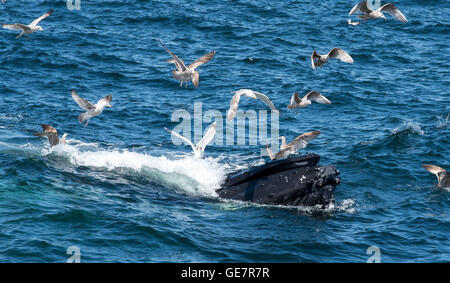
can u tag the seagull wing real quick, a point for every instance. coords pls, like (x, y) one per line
(295, 99)
(298, 143)
(179, 63)
(264, 98)
(340, 54)
(183, 138)
(317, 97)
(202, 60)
(234, 103)
(436, 170)
(35, 22)
(361, 6)
(269, 151)
(394, 12)
(302, 140)
(49, 132)
(16, 27)
(207, 137)
(83, 103)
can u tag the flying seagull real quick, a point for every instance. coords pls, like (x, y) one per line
(28, 29)
(91, 110)
(248, 93)
(201, 145)
(52, 135)
(318, 60)
(298, 143)
(368, 13)
(185, 74)
(442, 175)
(297, 102)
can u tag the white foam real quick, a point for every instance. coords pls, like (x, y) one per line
(195, 176)
(409, 126)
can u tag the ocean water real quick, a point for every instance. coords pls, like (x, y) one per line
(121, 191)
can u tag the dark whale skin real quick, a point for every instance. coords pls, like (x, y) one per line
(292, 181)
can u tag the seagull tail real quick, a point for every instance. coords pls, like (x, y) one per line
(82, 117)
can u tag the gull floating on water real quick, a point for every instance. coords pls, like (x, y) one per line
(368, 13)
(297, 102)
(185, 74)
(201, 145)
(353, 23)
(248, 93)
(298, 143)
(318, 60)
(442, 175)
(91, 110)
(52, 135)
(28, 29)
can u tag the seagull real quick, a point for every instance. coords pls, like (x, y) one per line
(298, 143)
(185, 74)
(52, 135)
(201, 145)
(318, 60)
(442, 175)
(91, 110)
(28, 29)
(368, 13)
(353, 23)
(248, 93)
(297, 102)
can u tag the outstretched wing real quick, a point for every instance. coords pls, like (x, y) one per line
(234, 103)
(295, 99)
(202, 60)
(207, 137)
(340, 54)
(179, 63)
(433, 169)
(15, 27)
(48, 129)
(35, 22)
(181, 137)
(83, 103)
(361, 6)
(317, 97)
(264, 98)
(270, 152)
(394, 12)
(298, 143)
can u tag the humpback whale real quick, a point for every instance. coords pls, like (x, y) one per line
(292, 181)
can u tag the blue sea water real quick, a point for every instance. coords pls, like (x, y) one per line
(121, 191)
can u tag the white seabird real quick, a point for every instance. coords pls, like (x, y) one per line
(52, 135)
(185, 74)
(234, 103)
(368, 13)
(201, 145)
(298, 143)
(91, 110)
(297, 102)
(28, 29)
(318, 60)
